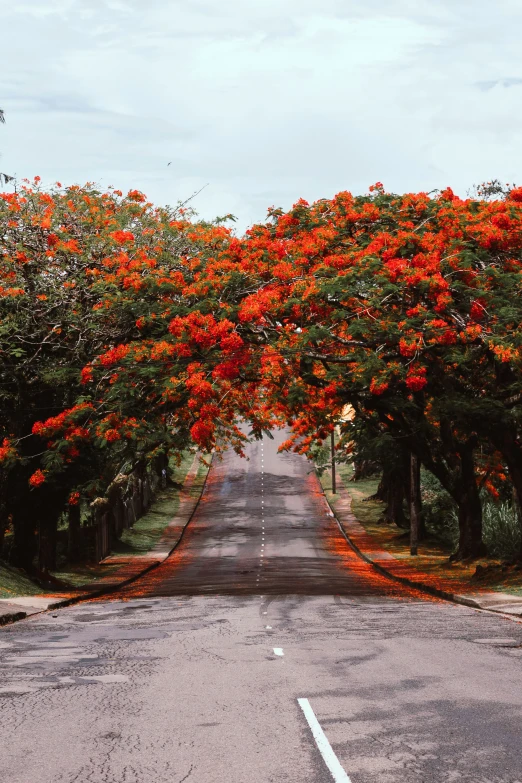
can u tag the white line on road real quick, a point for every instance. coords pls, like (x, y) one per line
(325, 749)
(278, 651)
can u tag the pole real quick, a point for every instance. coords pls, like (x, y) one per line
(414, 505)
(334, 483)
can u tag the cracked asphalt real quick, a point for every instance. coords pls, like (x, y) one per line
(176, 678)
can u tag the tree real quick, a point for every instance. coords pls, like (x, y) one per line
(400, 306)
(116, 346)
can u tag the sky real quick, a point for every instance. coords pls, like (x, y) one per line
(261, 103)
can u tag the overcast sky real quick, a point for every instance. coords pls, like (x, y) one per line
(264, 101)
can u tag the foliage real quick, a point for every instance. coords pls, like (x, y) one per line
(440, 515)
(405, 307)
(501, 530)
(128, 332)
(115, 347)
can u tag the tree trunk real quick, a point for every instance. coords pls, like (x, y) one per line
(73, 541)
(384, 485)
(469, 510)
(25, 543)
(332, 448)
(47, 544)
(393, 491)
(506, 442)
(415, 503)
(364, 468)
(394, 511)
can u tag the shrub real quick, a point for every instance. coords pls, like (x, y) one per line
(501, 529)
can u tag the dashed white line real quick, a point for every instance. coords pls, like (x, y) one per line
(278, 651)
(325, 749)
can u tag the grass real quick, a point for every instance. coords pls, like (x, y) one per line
(138, 540)
(15, 583)
(433, 557)
(145, 532)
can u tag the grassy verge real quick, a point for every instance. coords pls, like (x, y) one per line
(138, 540)
(14, 583)
(146, 532)
(433, 555)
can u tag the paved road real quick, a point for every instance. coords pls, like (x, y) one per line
(195, 673)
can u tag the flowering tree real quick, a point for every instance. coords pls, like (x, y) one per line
(406, 307)
(114, 342)
(128, 332)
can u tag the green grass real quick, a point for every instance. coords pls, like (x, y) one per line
(433, 554)
(83, 574)
(367, 512)
(14, 583)
(145, 532)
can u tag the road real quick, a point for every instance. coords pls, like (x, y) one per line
(194, 672)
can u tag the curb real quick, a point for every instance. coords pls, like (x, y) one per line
(421, 586)
(6, 619)
(13, 618)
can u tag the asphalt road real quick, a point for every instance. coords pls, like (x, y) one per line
(195, 672)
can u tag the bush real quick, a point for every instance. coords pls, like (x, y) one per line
(440, 510)
(501, 529)
(500, 524)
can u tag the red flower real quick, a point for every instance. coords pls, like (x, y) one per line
(112, 435)
(37, 478)
(74, 498)
(122, 236)
(202, 432)
(136, 195)
(378, 387)
(87, 374)
(416, 379)
(477, 311)
(516, 194)
(416, 382)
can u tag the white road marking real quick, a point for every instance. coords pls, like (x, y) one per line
(278, 651)
(269, 627)
(325, 749)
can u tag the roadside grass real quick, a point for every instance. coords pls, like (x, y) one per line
(135, 541)
(433, 557)
(14, 583)
(143, 535)
(146, 532)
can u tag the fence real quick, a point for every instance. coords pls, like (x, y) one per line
(124, 512)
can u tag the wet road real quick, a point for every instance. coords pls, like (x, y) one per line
(195, 672)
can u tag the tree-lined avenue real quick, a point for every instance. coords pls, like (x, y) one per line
(263, 527)
(180, 677)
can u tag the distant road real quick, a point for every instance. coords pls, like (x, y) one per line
(262, 651)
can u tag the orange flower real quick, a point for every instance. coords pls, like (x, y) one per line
(37, 478)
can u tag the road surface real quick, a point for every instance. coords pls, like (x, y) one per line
(262, 651)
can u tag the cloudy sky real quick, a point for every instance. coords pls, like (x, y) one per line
(262, 102)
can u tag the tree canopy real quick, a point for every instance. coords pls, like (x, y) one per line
(128, 331)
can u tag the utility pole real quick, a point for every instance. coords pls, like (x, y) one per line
(414, 503)
(334, 483)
